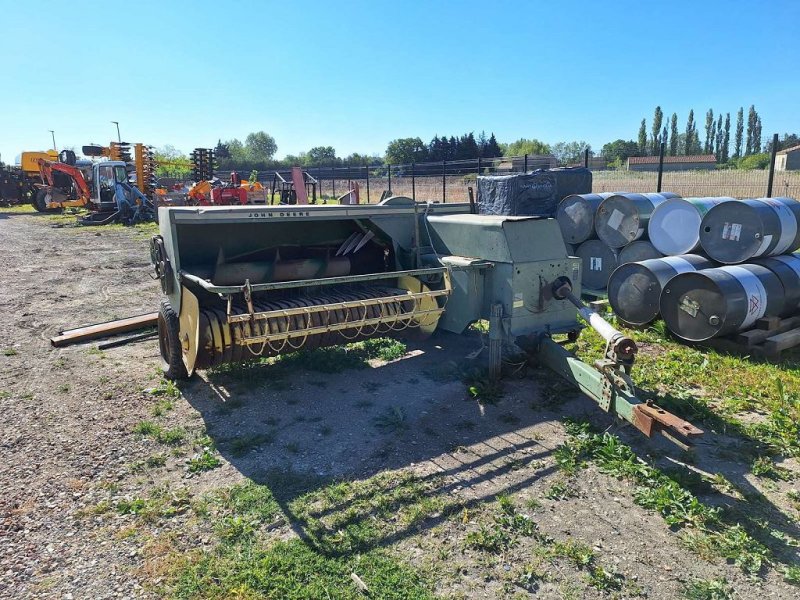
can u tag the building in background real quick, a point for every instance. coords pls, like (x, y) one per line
(673, 163)
(788, 159)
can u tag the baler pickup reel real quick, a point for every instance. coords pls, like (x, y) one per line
(341, 310)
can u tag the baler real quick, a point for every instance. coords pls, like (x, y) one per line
(243, 282)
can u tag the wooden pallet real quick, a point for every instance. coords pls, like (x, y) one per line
(767, 340)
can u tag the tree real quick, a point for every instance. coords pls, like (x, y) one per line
(673, 135)
(526, 146)
(719, 138)
(236, 150)
(620, 150)
(643, 138)
(726, 140)
(221, 150)
(664, 139)
(757, 135)
(570, 152)
(752, 116)
(655, 142)
(708, 148)
(406, 150)
(692, 142)
(260, 146)
(739, 132)
(319, 155)
(171, 162)
(713, 137)
(787, 141)
(492, 148)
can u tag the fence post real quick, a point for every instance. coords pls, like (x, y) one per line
(526, 163)
(772, 157)
(477, 187)
(586, 158)
(367, 168)
(413, 182)
(660, 166)
(333, 182)
(444, 181)
(390, 177)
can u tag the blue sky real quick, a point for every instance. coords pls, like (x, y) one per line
(355, 75)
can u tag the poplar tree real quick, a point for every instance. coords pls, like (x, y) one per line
(719, 138)
(673, 136)
(751, 126)
(691, 135)
(726, 140)
(643, 138)
(739, 132)
(658, 116)
(708, 148)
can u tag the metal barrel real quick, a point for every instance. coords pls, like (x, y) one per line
(575, 216)
(623, 218)
(787, 268)
(598, 261)
(571, 249)
(638, 250)
(735, 232)
(634, 289)
(705, 304)
(674, 226)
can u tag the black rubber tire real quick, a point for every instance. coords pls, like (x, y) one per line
(169, 344)
(40, 203)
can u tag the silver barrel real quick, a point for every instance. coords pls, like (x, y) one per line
(735, 232)
(638, 250)
(598, 261)
(623, 218)
(634, 289)
(674, 226)
(787, 268)
(705, 304)
(575, 216)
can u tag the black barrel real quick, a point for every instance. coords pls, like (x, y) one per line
(734, 232)
(575, 216)
(599, 261)
(787, 268)
(705, 304)
(635, 288)
(638, 250)
(571, 249)
(622, 218)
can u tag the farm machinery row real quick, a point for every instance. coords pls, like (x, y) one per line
(242, 282)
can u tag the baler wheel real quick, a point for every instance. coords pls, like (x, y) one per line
(169, 343)
(39, 201)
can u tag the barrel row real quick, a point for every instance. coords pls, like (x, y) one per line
(699, 300)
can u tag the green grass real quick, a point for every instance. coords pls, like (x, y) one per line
(344, 525)
(161, 503)
(716, 389)
(392, 419)
(203, 461)
(706, 530)
(9, 352)
(708, 589)
(170, 437)
(243, 444)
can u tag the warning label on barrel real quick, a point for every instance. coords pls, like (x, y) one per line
(732, 231)
(595, 263)
(615, 219)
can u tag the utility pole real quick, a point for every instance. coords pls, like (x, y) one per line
(119, 138)
(53, 133)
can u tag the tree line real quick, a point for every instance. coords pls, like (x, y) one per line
(745, 143)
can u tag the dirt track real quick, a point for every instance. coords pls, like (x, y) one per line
(67, 440)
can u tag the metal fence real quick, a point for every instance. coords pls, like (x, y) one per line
(450, 181)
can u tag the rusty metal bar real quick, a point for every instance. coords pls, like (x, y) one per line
(101, 330)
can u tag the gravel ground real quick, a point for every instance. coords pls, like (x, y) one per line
(67, 439)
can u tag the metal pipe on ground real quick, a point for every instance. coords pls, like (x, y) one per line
(674, 226)
(735, 232)
(575, 216)
(634, 289)
(622, 218)
(598, 262)
(101, 330)
(705, 304)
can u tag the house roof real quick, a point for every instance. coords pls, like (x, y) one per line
(787, 150)
(653, 160)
